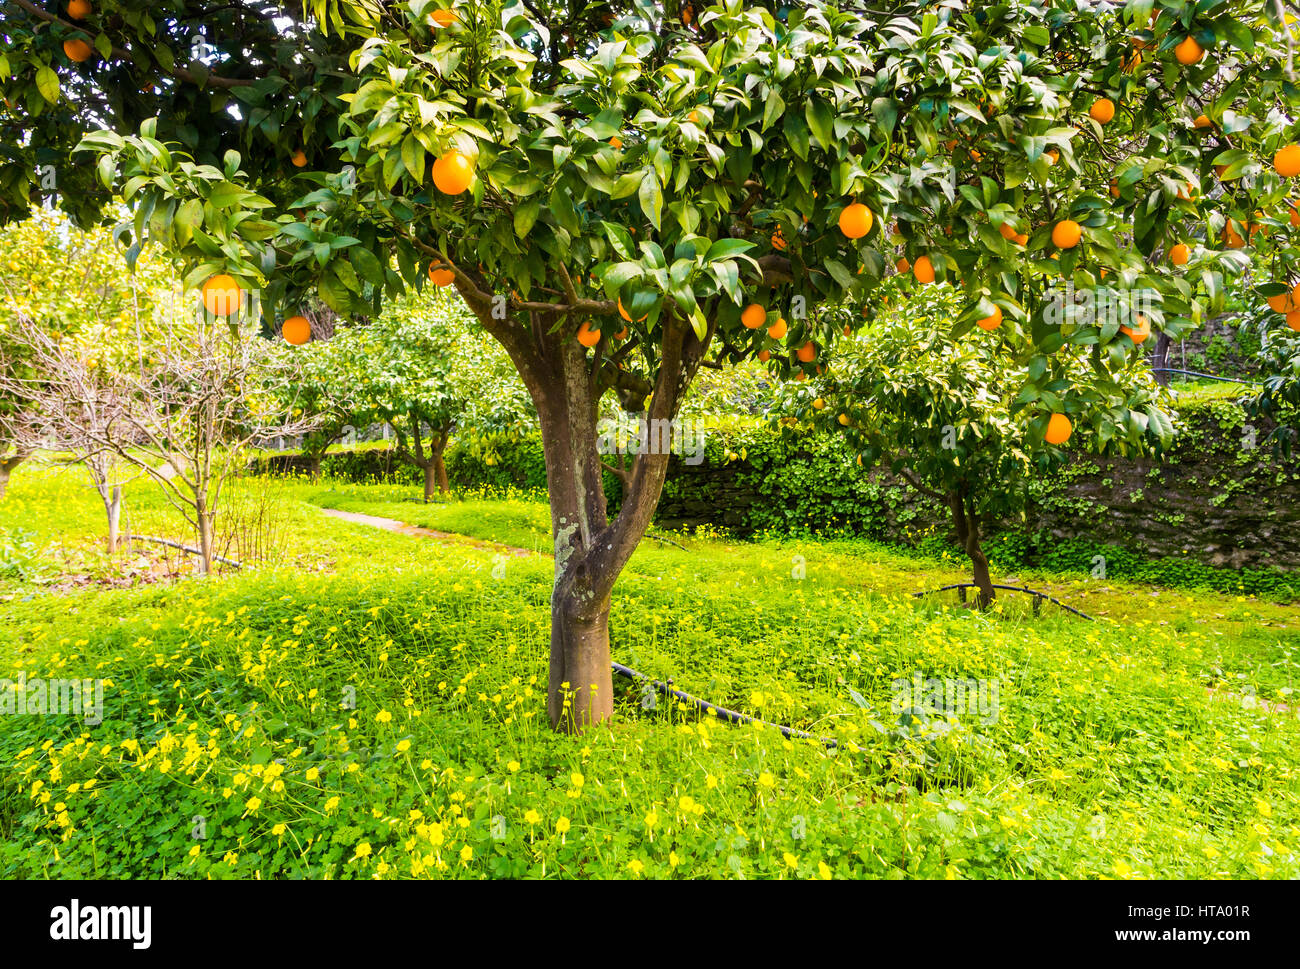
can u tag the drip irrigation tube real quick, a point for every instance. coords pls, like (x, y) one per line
(1038, 596)
(722, 712)
(1204, 376)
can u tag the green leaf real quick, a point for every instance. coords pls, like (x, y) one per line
(47, 82)
(651, 198)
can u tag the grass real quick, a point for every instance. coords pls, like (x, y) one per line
(374, 707)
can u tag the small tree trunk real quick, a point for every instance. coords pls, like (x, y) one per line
(1161, 358)
(7, 466)
(430, 481)
(314, 466)
(439, 449)
(206, 540)
(966, 522)
(113, 507)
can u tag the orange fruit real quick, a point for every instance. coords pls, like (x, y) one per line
(1007, 231)
(903, 266)
(623, 313)
(79, 9)
(1066, 234)
(1179, 254)
(1202, 121)
(222, 296)
(855, 220)
(77, 49)
(452, 173)
(694, 118)
(587, 336)
(764, 355)
(753, 316)
(440, 276)
(1102, 110)
(1295, 213)
(1059, 429)
(442, 18)
(923, 270)
(296, 330)
(1293, 320)
(1140, 332)
(1022, 239)
(807, 353)
(1232, 238)
(778, 240)
(1189, 51)
(778, 329)
(1287, 302)
(975, 155)
(1287, 161)
(621, 334)
(991, 322)
(1114, 188)
(299, 158)
(1053, 156)
(848, 330)
(616, 142)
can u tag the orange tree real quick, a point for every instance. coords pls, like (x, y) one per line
(949, 415)
(622, 192)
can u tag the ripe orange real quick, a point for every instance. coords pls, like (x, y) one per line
(79, 9)
(1053, 156)
(77, 49)
(1189, 51)
(764, 355)
(1114, 188)
(623, 313)
(845, 420)
(991, 322)
(694, 118)
(442, 18)
(818, 404)
(452, 173)
(975, 155)
(903, 266)
(1140, 332)
(1295, 212)
(807, 353)
(753, 316)
(848, 330)
(1066, 234)
(1293, 320)
(778, 240)
(296, 330)
(1232, 238)
(440, 276)
(1287, 302)
(1102, 110)
(1059, 429)
(855, 220)
(1287, 161)
(778, 329)
(222, 295)
(587, 336)
(1179, 254)
(923, 270)
(616, 142)
(1008, 232)
(299, 158)
(1202, 121)
(1022, 239)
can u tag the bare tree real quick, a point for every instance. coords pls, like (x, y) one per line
(181, 412)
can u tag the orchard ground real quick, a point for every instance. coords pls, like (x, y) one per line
(372, 704)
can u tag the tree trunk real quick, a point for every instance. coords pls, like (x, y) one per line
(439, 449)
(7, 466)
(590, 550)
(113, 508)
(314, 466)
(966, 522)
(430, 481)
(206, 540)
(1161, 357)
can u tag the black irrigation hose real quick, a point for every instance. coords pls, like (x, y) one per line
(723, 713)
(1038, 596)
(1206, 376)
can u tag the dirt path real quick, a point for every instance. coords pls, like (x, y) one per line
(401, 528)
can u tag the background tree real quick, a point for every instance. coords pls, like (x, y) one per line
(648, 161)
(948, 415)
